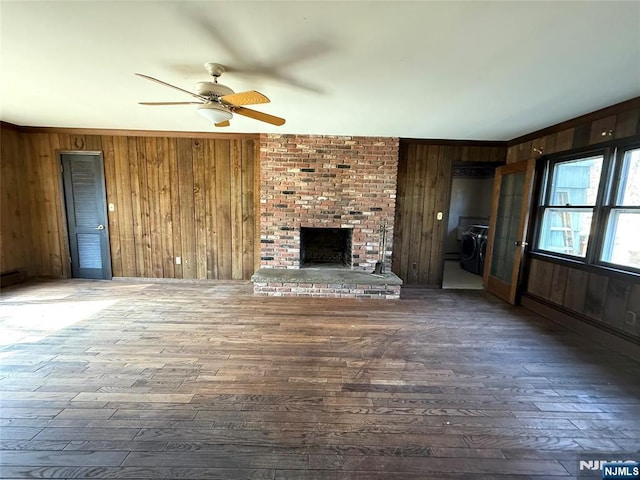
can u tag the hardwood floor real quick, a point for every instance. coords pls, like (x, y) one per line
(205, 381)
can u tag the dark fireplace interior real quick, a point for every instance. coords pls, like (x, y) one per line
(325, 247)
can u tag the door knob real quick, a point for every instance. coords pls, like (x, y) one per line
(100, 227)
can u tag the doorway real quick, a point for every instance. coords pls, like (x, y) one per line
(86, 211)
(470, 206)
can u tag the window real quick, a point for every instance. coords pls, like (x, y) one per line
(566, 221)
(590, 208)
(621, 242)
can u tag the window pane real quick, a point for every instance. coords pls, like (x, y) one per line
(630, 179)
(566, 230)
(507, 226)
(621, 242)
(576, 182)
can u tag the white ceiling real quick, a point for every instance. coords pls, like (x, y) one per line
(454, 70)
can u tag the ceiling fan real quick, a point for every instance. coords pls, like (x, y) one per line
(218, 102)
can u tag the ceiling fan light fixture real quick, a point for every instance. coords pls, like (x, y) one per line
(215, 113)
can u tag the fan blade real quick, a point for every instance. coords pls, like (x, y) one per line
(222, 124)
(171, 86)
(263, 117)
(170, 103)
(245, 98)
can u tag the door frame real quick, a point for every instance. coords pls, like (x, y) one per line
(510, 291)
(65, 221)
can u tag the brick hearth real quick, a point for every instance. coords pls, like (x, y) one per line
(323, 181)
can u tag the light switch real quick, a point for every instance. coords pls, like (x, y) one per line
(439, 216)
(112, 207)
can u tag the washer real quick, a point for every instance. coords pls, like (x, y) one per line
(473, 248)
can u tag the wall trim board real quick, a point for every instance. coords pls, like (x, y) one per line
(10, 126)
(194, 281)
(600, 334)
(583, 119)
(12, 277)
(131, 133)
(455, 143)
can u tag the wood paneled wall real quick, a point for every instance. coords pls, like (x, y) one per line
(15, 231)
(618, 121)
(424, 189)
(193, 198)
(603, 298)
(598, 297)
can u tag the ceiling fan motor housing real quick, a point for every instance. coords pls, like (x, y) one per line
(211, 89)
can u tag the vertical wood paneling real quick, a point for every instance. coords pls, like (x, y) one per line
(124, 208)
(56, 143)
(110, 171)
(154, 158)
(564, 140)
(145, 214)
(52, 200)
(576, 290)
(192, 198)
(595, 296)
(558, 283)
(200, 209)
(619, 121)
(615, 302)
(174, 193)
(632, 323)
(166, 220)
(223, 208)
(627, 123)
(427, 211)
(236, 208)
(599, 297)
(93, 142)
(136, 207)
(15, 228)
(249, 212)
(442, 195)
(210, 175)
(184, 155)
(602, 129)
(540, 274)
(35, 174)
(415, 200)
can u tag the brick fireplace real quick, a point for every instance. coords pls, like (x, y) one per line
(335, 191)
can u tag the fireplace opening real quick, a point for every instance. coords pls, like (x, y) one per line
(325, 247)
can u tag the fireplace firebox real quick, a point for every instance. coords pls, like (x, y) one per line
(325, 247)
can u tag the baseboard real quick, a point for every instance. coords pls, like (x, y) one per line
(177, 280)
(621, 345)
(11, 278)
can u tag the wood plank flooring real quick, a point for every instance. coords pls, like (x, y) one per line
(134, 380)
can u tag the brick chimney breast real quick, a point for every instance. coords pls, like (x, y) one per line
(326, 181)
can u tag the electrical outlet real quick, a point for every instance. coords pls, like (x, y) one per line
(178, 261)
(630, 318)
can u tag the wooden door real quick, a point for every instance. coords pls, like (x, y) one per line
(85, 202)
(512, 193)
